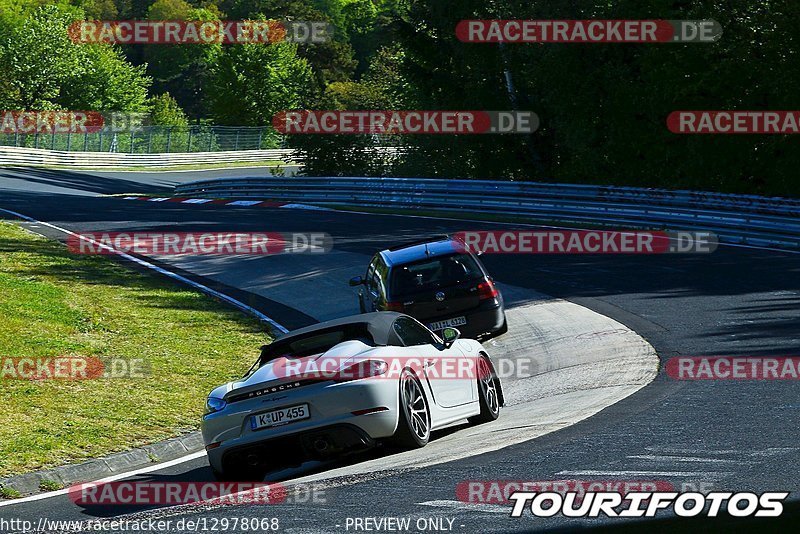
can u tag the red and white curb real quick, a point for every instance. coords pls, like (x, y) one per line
(229, 202)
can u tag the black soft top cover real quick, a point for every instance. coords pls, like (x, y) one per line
(377, 324)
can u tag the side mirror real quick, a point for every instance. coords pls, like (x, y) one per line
(356, 281)
(450, 335)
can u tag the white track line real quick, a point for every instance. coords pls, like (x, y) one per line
(230, 300)
(472, 507)
(112, 478)
(692, 459)
(644, 473)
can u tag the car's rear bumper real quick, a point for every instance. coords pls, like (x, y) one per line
(484, 322)
(291, 450)
(487, 319)
(332, 406)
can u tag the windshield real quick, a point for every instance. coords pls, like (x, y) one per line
(434, 273)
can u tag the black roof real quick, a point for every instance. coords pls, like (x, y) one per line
(378, 324)
(420, 250)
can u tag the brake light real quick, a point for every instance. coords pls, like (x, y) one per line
(395, 306)
(486, 290)
(363, 369)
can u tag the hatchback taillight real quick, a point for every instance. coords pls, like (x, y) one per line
(486, 290)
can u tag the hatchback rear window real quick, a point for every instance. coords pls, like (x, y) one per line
(434, 273)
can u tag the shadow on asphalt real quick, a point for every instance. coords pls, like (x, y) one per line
(81, 181)
(204, 474)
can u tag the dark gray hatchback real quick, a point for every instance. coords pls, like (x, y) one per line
(439, 282)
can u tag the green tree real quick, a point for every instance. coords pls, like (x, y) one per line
(99, 9)
(37, 58)
(107, 82)
(331, 61)
(43, 69)
(345, 154)
(182, 70)
(252, 82)
(165, 111)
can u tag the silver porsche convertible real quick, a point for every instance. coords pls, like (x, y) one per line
(343, 386)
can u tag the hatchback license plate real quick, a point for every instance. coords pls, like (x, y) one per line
(280, 417)
(441, 325)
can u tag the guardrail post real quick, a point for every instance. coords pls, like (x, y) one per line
(53, 140)
(210, 139)
(236, 143)
(169, 138)
(36, 140)
(133, 138)
(189, 142)
(86, 141)
(16, 137)
(69, 141)
(101, 141)
(260, 136)
(150, 141)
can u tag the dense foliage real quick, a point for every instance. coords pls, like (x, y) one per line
(602, 107)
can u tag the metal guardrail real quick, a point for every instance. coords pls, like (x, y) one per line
(743, 219)
(32, 156)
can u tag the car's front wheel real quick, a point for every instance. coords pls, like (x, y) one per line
(488, 392)
(414, 425)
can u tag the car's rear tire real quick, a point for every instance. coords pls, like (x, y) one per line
(414, 424)
(239, 475)
(503, 329)
(226, 476)
(488, 392)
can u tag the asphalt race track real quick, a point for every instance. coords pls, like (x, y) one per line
(721, 435)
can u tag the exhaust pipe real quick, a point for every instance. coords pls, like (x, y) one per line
(321, 445)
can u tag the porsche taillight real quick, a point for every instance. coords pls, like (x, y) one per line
(363, 369)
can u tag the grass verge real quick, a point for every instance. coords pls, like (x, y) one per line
(54, 303)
